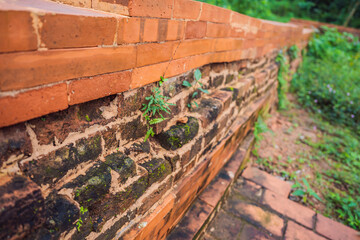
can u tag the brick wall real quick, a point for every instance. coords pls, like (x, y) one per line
(72, 83)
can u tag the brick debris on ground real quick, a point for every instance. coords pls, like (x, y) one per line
(258, 208)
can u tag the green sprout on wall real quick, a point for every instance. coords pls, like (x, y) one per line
(282, 86)
(293, 52)
(80, 222)
(194, 84)
(155, 107)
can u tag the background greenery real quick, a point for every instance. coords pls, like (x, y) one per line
(330, 11)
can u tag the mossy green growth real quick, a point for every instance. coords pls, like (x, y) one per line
(179, 134)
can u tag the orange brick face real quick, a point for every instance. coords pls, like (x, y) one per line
(154, 53)
(29, 69)
(92, 88)
(149, 30)
(129, 30)
(195, 30)
(32, 104)
(184, 9)
(17, 32)
(213, 13)
(63, 31)
(149, 8)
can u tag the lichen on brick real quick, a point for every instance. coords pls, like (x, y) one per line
(122, 164)
(157, 168)
(178, 135)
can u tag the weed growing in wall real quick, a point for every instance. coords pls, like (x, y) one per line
(154, 109)
(282, 83)
(195, 84)
(80, 222)
(293, 52)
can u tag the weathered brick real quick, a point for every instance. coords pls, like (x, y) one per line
(210, 135)
(196, 148)
(15, 144)
(157, 168)
(32, 104)
(17, 31)
(92, 88)
(289, 208)
(217, 81)
(225, 226)
(155, 196)
(195, 30)
(133, 130)
(139, 147)
(147, 8)
(248, 189)
(173, 86)
(179, 134)
(213, 13)
(109, 136)
(234, 91)
(113, 6)
(92, 186)
(227, 44)
(334, 230)
(295, 231)
(129, 30)
(57, 126)
(209, 110)
(175, 30)
(154, 53)
(184, 9)
(255, 215)
(22, 207)
(63, 31)
(42, 67)
(131, 101)
(191, 223)
(122, 164)
(270, 182)
(224, 97)
(49, 169)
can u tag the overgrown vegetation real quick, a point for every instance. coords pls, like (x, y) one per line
(328, 81)
(282, 82)
(154, 109)
(330, 11)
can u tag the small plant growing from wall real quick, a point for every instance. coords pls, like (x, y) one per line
(155, 107)
(80, 222)
(195, 84)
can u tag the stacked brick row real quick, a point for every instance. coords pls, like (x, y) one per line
(55, 56)
(85, 171)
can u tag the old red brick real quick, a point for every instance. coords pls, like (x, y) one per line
(224, 97)
(113, 6)
(289, 208)
(92, 88)
(129, 30)
(213, 13)
(215, 190)
(250, 232)
(154, 53)
(225, 226)
(29, 69)
(334, 230)
(17, 32)
(149, 8)
(32, 104)
(295, 231)
(195, 29)
(270, 182)
(63, 31)
(175, 30)
(186, 9)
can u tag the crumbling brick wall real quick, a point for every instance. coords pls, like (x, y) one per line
(72, 84)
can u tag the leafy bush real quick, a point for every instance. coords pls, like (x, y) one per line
(329, 79)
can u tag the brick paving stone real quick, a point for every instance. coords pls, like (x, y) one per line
(191, 223)
(254, 214)
(291, 209)
(296, 232)
(334, 230)
(268, 181)
(225, 226)
(248, 189)
(251, 233)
